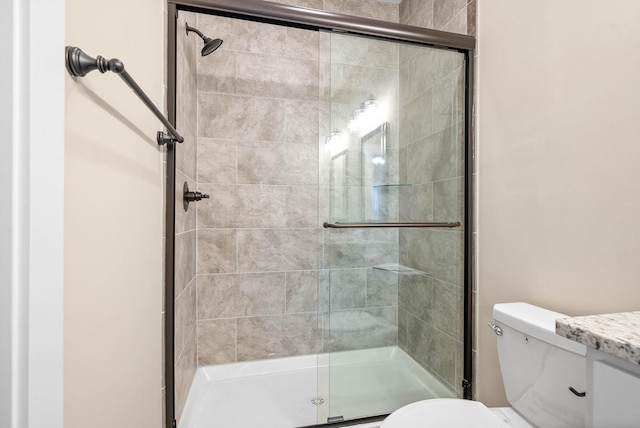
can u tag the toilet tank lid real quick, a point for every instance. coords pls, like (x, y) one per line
(537, 322)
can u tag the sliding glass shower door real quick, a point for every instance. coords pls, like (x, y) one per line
(392, 187)
(290, 129)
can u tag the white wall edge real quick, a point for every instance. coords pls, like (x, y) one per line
(31, 216)
(46, 213)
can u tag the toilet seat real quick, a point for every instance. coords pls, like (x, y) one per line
(445, 413)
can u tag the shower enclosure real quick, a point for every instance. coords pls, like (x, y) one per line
(335, 242)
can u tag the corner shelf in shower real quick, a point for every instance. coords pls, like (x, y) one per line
(399, 269)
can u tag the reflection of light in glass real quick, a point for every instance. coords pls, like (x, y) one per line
(365, 117)
(370, 116)
(370, 107)
(377, 160)
(335, 143)
(360, 114)
(353, 124)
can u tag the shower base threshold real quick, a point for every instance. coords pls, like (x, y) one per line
(307, 390)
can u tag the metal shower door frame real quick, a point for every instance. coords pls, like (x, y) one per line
(317, 20)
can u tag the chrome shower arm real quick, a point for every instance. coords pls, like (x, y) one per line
(79, 64)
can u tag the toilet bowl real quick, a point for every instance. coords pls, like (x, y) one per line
(454, 413)
(444, 412)
(543, 376)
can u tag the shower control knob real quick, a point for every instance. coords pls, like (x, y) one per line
(189, 196)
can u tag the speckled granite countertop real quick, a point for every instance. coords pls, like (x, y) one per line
(614, 334)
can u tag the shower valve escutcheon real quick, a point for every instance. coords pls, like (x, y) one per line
(189, 196)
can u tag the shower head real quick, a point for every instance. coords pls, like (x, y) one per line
(210, 45)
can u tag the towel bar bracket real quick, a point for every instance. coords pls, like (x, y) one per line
(163, 138)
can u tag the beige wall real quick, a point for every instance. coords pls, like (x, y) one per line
(113, 220)
(558, 160)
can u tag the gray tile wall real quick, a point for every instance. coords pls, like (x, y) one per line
(454, 16)
(431, 118)
(185, 222)
(258, 240)
(261, 268)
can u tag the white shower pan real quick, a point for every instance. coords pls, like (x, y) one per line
(299, 391)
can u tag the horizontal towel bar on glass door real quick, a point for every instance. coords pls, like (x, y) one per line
(374, 224)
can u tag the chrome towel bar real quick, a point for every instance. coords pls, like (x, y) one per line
(386, 224)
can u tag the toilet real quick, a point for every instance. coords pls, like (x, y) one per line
(544, 377)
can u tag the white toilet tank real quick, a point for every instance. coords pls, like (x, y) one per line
(539, 367)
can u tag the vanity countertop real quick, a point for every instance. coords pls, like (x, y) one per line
(615, 334)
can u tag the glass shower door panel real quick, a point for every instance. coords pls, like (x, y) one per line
(392, 297)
